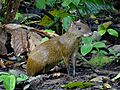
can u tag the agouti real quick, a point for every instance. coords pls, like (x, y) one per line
(48, 54)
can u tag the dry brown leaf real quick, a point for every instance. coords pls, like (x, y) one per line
(22, 39)
(2, 64)
(9, 63)
(3, 38)
(19, 41)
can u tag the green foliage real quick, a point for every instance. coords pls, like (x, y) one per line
(115, 55)
(18, 16)
(21, 78)
(86, 48)
(46, 21)
(74, 85)
(88, 45)
(10, 80)
(112, 32)
(86, 7)
(3, 1)
(103, 28)
(98, 45)
(40, 4)
(100, 60)
(66, 22)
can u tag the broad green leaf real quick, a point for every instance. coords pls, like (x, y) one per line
(66, 22)
(73, 85)
(87, 40)
(101, 30)
(40, 4)
(75, 2)
(66, 3)
(99, 45)
(86, 48)
(107, 24)
(112, 32)
(44, 39)
(9, 82)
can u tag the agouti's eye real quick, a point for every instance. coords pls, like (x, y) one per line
(78, 27)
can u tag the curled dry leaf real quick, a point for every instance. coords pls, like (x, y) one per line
(19, 38)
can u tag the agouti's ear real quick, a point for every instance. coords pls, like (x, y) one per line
(72, 27)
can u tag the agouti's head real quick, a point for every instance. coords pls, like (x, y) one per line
(80, 28)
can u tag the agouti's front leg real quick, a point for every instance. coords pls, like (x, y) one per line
(67, 63)
(73, 58)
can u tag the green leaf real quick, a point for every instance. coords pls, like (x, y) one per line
(112, 32)
(50, 2)
(86, 48)
(66, 3)
(66, 22)
(107, 24)
(9, 82)
(75, 2)
(2, 77)
(99, 45)
(40, 4)
(44, 39)
(4, 73)
(56, 13)
(87, 40)
(22, 77)
(74, 85)
(101, 30)
(103, 52)
(18, 16)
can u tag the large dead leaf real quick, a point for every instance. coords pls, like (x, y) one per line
(23, 40)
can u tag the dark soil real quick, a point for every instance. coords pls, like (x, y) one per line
(54, 80)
